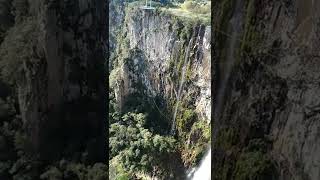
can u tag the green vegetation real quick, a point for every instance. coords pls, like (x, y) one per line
(137, 138)
(71, 170)
(225, 8)
(249, 163)
(140, 143)
(188, 73)
(185, 121)
(137, 147)
(196, 7)
(21, 54)
(254, 163)
(227, 138)
(251, 37)
(193, 132)
(117, 171)
(192, 10)
(18, 163)
(17, 50)
(134, 148)
(189, 10)
(198, 136)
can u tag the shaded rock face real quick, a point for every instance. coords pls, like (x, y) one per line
(6, 17)
(60, 95)
(273, 93)
(116, 18)
(164, 50)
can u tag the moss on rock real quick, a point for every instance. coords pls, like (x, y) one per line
(254, 165)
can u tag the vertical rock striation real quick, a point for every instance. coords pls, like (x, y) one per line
(164, 61)
(270, 119)
(60, 81)
(163, 50)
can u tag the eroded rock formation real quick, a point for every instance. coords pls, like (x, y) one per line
(52, 63)
(269, 120)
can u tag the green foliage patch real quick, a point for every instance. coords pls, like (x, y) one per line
(196, 7)
(139, 140)
(227, 138)
(251, 37)
(254, 166)
(18, 50)
(71, 170)
(136, 148)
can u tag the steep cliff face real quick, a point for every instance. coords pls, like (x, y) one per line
(268, 126)
(162, 69)
(165, 50)
(6, 18)
(173, 66)
(70, 50)
(52, 57)
(116, 18)
(159, 38)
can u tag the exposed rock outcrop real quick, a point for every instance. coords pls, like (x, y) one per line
(52, 56)
(165, 60)
(270, 118)
(163, 40)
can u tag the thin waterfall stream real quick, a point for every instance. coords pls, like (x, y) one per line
(203, 172)
(227, 65)
(226, 70)
(184, 67)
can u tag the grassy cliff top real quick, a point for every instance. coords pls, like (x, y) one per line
(190, 10)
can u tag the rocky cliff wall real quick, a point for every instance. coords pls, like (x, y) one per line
(52, 58)
(270, 119)
(116, 18)
(168, 60)
(164, 49)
